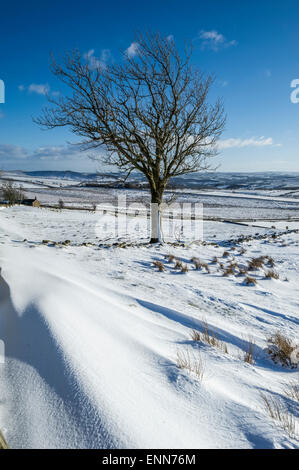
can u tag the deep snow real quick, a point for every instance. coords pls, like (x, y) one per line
(91, 337)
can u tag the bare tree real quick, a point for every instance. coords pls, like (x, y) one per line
(11, 193)
(150, 112)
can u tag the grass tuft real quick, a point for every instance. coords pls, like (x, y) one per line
(271, 274)
(292, 391)
(3, 444)
(184, 268)
(281, 349)
(191, 362)
(159, 265)
(250, 281)
(280, 414)
(170, 258)
(208, 336)
(228, 272)
(256, 263)
(250, 353)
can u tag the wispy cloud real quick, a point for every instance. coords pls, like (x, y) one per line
(39, 89)
(12, 152)
(93, 62)
(252, 142)
(133, 49)
(49, 152)
(222, 83)
(214, 40)
(98, 62)
(45, 157)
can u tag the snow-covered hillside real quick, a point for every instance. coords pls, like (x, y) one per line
(95, 335)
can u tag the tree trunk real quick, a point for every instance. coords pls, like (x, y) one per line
(155, 217)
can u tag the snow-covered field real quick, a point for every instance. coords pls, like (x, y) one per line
(255, 197)
(92, 333)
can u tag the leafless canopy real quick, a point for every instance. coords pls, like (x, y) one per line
(149, 113)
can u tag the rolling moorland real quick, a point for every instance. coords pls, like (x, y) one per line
(115, 343)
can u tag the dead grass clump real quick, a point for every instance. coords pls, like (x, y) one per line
(242, 271)
(206, 267)
(271, 274)
(159, 265)
(292, 391)
(184, 268)
(242, 251)
(270, 261)
(197, 263)
(250, 281)
(228, 272)
(250, 353)
(256, 263)
(282, 350)
(214, 260)
(280, 414)
(196, 335)
(3, 444)
(200, 265)
(170, 258)
(225, 254)
(208, 336)
(178, 264)
(191, 362)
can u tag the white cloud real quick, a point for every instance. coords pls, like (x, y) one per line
(133, 49)
(223, 83)
(93, 62)
(12, 152)
(55, 157)
(98, 63)
(252, 142)
(39, 89)
(88, 55)
(106, 55)
(214, 40)
(49, 152)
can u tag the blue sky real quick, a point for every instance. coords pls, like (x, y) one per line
(251, 46)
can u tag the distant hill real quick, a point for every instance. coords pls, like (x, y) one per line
(62, 175)
(217, 180)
